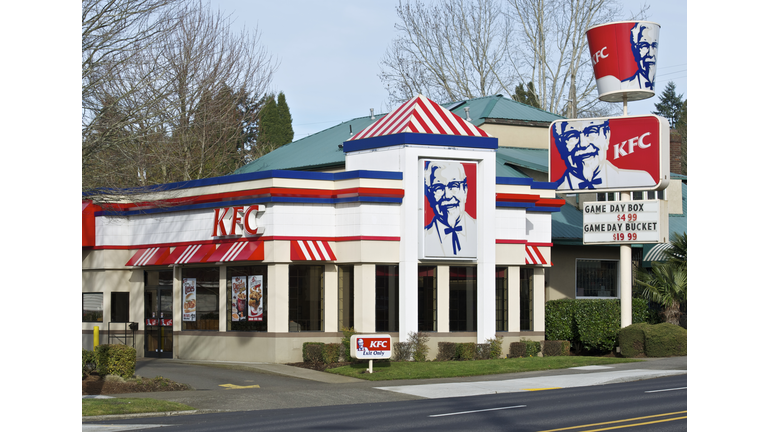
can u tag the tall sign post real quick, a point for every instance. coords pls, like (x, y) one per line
(617, 154)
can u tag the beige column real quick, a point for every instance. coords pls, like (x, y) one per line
(177, 308)
(513, 277)
(223, 300)
(277, 298)
(331, 300)
(538, 299)
(443, 295)
(365, 298)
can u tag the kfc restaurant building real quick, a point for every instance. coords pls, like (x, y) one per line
(417, 234)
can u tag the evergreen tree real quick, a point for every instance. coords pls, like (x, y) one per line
(275, 127)
(286, 122)
(526, 95)
(670, 104)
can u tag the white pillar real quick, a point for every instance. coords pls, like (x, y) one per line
(513, 277)
(277, 298)
(365, 298)
(625, 272)
(538, 299)
(443, 302)
(331, 306)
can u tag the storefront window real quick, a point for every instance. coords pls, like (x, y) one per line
(502, 299)
(93, 307)
(346, 297)
(387, 298)
(247, 298)
(427, 293)
(120, 302)
(462, 300)
(200, 298)
(305, 298)
(596, 278)
(526, 299)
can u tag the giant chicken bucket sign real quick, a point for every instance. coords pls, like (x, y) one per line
(624, 56)
(609, 154)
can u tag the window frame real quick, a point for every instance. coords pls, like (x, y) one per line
(617, 279)
(83, 310)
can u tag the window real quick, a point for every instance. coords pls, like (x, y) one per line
(635, 195)
(93, 307)
(120, 307)
(526, 299)
(595, 278)
(202, 286)
(247, 308)
(427, 293)
(305, 298)
(462, 300)
(346, 297)
(502, 299)
(387, 298)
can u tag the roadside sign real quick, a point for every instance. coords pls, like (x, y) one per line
(371, 346)
(626, 222)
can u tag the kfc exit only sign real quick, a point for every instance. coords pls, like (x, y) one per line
(625, 222)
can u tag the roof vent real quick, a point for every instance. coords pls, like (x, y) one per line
(350, 130)
(466, 112)
(373, 117)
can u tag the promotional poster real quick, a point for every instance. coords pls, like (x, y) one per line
(189, 291)
(450, 209)
(624, 56)
(239, 298)
(609, 154)
(255, 296)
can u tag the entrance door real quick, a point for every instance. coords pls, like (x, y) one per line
(158, 322)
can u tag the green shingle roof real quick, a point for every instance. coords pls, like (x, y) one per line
(499, 107)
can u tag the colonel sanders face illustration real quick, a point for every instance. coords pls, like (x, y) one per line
(645, 47)
(583, 146)
(445, 185)
(360, 345)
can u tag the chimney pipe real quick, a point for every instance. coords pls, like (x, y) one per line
(466, 112)
(372, 116)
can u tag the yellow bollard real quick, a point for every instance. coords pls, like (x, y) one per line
(95, 337)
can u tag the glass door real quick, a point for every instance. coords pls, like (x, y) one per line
(158, 320)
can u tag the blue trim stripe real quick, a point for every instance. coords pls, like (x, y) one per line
(515, 204)
(519, 181)
(544, 185)
(544, 209)
(421, 139)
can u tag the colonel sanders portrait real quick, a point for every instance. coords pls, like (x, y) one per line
(452, 232)
(645, 47)
(583, 146)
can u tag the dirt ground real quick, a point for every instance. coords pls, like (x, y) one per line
(95, 385)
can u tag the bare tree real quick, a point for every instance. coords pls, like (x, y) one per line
(503, 44)
(182, 105)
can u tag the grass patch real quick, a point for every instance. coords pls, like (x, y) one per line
(97, 407)
(385, 370)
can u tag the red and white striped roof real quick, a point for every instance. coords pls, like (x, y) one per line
(420, 115)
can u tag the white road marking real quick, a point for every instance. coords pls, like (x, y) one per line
(477, 411)
(666, 390)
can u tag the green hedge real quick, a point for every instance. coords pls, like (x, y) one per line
(115, 360)
(89, 362)
(592, 324)
(331, 353)
(524, 348)
(312, 352)
(658, 340)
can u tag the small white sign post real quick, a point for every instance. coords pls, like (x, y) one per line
(372, 346)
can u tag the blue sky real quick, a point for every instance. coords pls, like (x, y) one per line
(329, 55)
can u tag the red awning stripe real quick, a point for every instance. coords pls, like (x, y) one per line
(311, 250)
(239, 251)
(190, 254)
(149, 256)
(533, 255)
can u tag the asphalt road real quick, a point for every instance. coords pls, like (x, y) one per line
(658, 404)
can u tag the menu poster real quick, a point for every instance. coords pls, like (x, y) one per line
(239, 297)
(189, 293)
(255, 298)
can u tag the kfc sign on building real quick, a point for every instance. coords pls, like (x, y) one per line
(609, 154)
(624, 56)
(237, 221)
(370, 346)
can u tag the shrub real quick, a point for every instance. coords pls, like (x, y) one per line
(666, 340)
(89, 362)
(419, 347)
(401, 351)
(517, 349)
(331, 352)
(117, 360)
(555, 348)
(312, 352)
(532, 348)
(483, 351)
(347, 333)
(466, 351)
(446, 351)
(632, 339)
(587, 323)
(494, 347)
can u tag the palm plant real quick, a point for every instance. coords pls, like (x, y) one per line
(667, 283)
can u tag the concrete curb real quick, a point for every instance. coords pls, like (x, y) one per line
(150, 415)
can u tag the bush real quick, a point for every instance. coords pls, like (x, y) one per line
(312, 352)
(590, 324)
(666, 340)
(89, 362)
(483, 351)
(117, 360)
(555, 348)
(632, 340)
(331, 353)
(419, 347)
(446, 351)
(347, 333)
(466, 350)
(494, 347)
(517, 349)
(401, 351)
